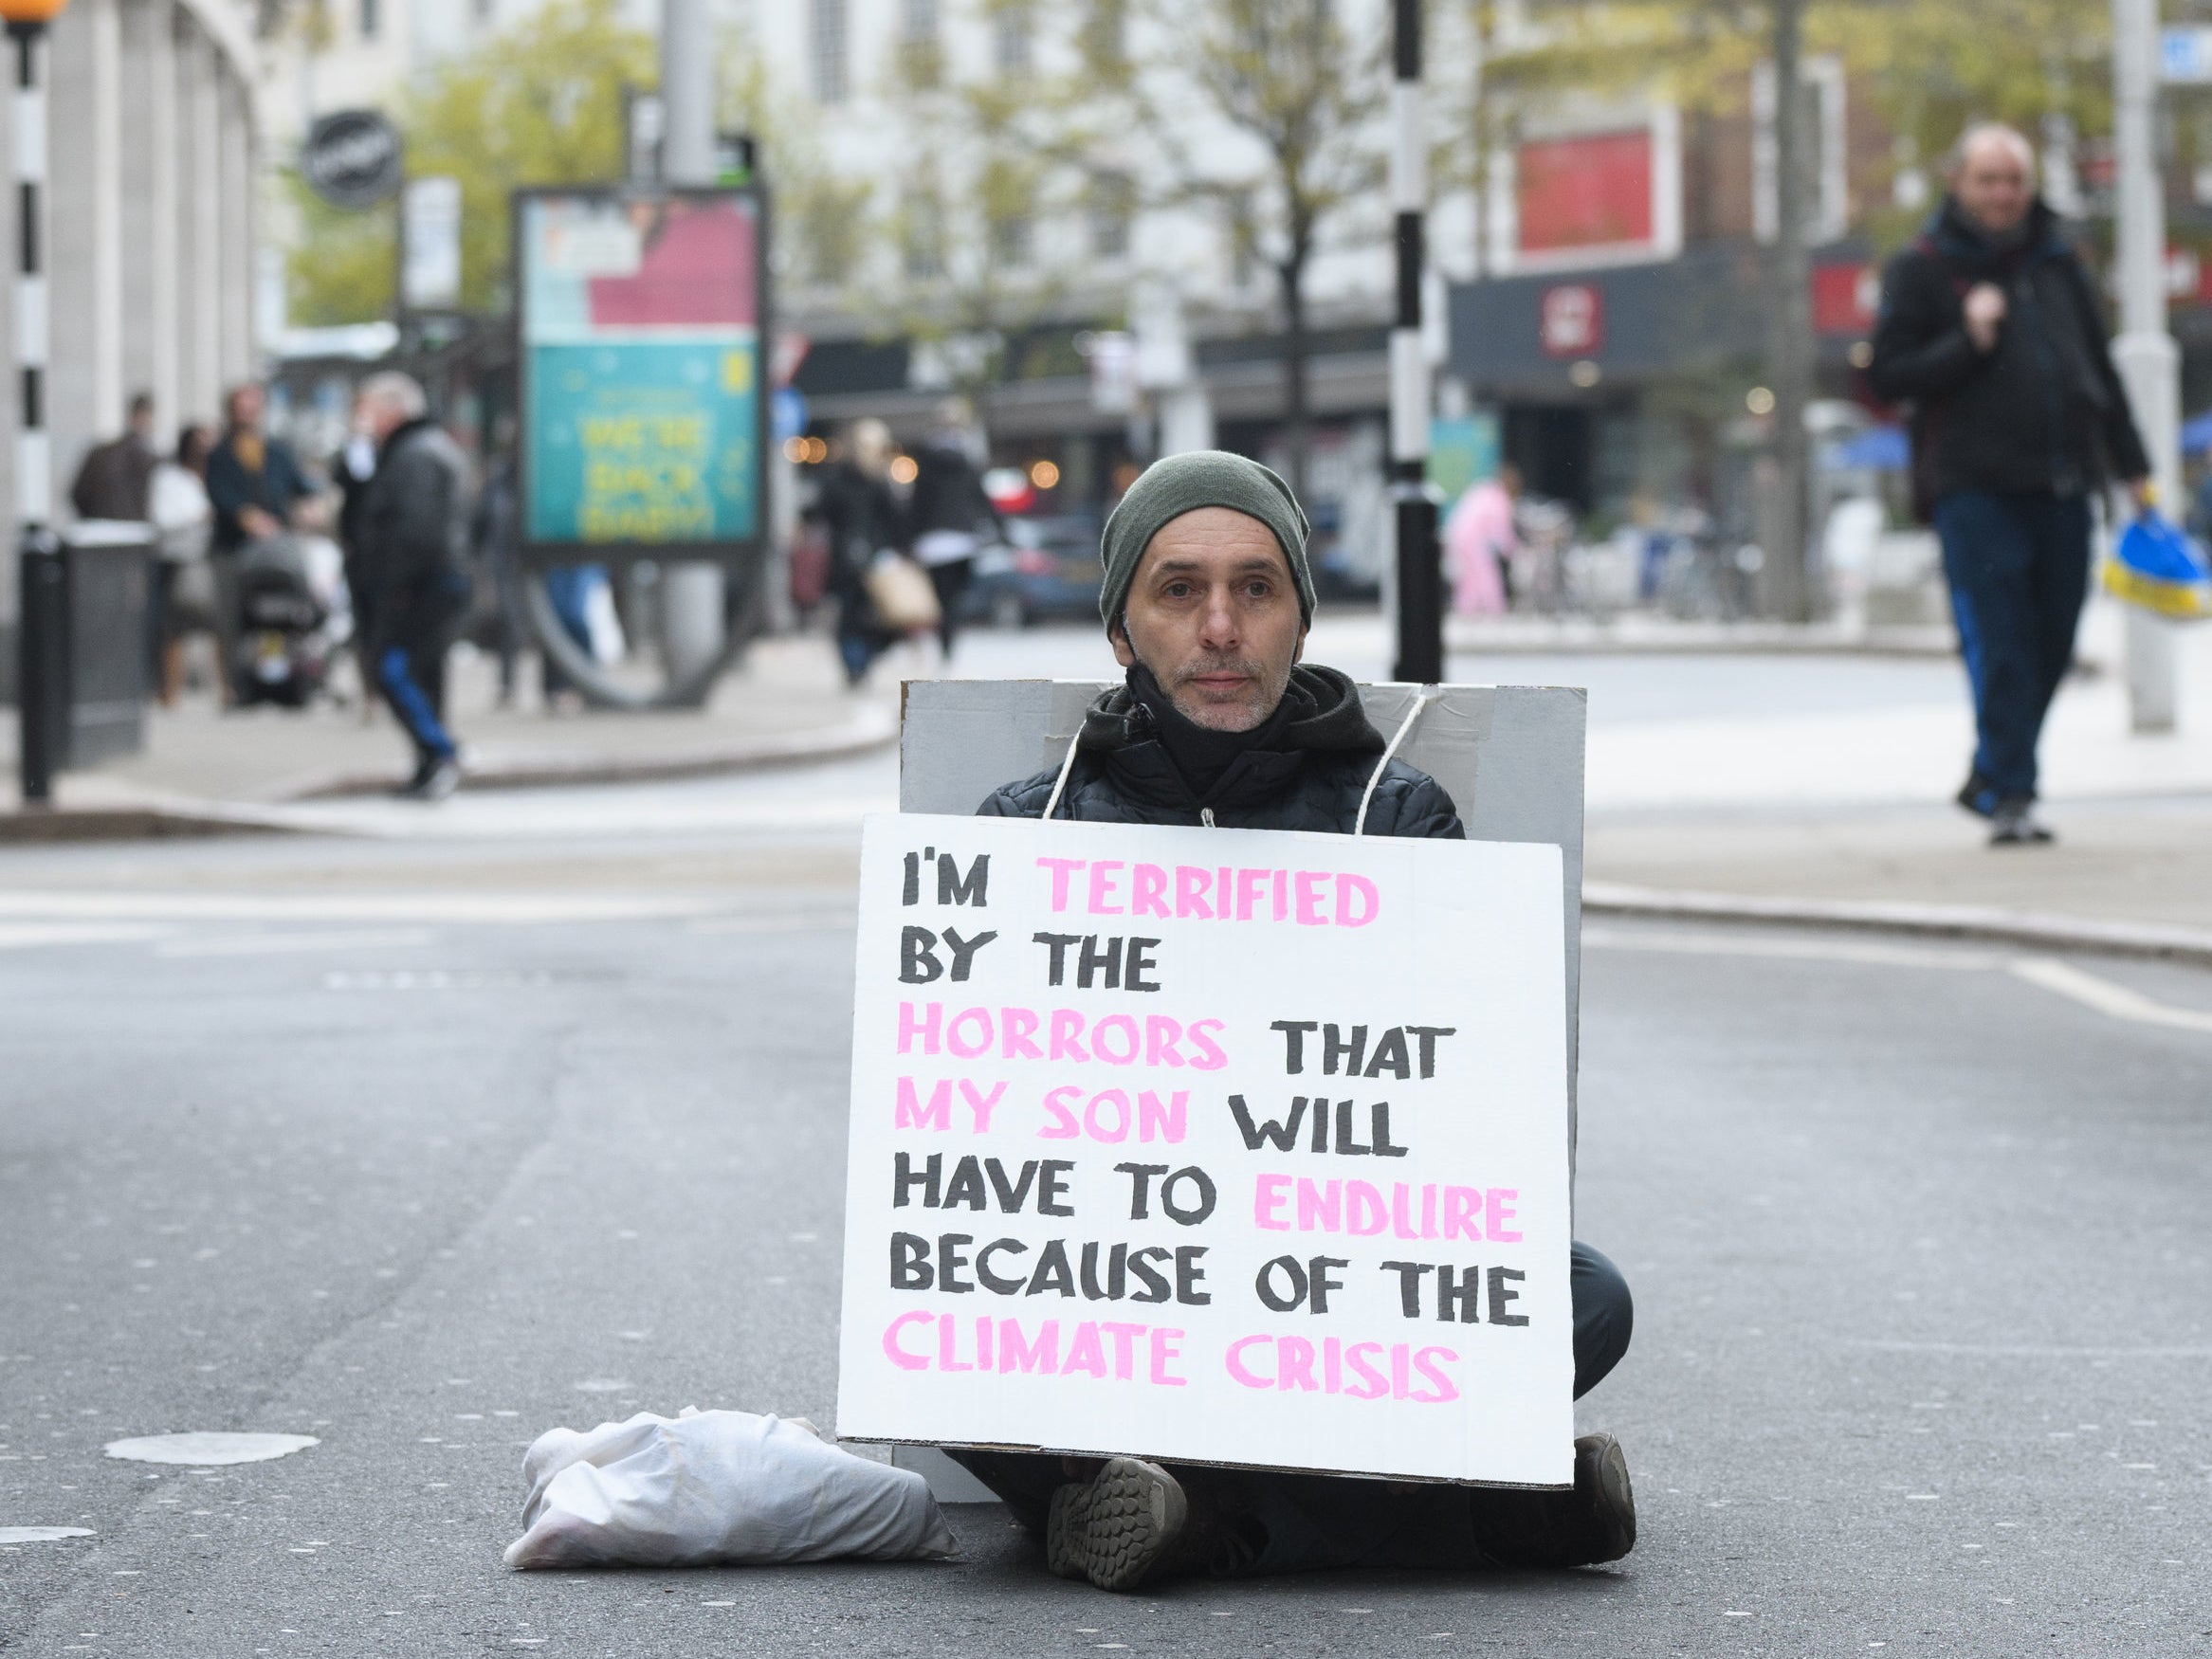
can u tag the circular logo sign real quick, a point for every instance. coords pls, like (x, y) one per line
(352, 158)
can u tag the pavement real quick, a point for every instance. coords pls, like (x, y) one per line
(204, 765)
(420, 1145)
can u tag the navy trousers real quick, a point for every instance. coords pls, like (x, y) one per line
(416, 623)
(2017, 566)
(1336, 1521)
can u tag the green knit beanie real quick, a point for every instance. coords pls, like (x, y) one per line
(1183, 483)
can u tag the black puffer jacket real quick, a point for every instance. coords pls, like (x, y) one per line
(2044, 411)
(1313, 780)
(415, 520)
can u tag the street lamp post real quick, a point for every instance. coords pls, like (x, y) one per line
(1420, 571)
(2149, 361)
(40, 568)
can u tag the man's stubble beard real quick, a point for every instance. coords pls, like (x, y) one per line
(1220, 717)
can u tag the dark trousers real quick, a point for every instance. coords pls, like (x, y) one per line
(1315, 1521)
(417, 620)
(951, 580)
(2017, 565)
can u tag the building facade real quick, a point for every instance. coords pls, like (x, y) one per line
(153, 161)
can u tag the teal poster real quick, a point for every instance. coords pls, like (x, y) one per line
(642, 418)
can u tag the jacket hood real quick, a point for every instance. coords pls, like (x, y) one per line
(1967, 243)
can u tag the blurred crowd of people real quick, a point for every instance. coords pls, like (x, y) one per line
(281, 566)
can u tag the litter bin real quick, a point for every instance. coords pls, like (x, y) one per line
(86, 593)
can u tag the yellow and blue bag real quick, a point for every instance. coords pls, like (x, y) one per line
(2157, 566)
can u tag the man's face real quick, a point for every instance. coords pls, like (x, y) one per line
(1992, 184)
(1213, 613)
(377, 418)
(246, 407)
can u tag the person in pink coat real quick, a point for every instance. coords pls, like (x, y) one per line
(1478, 538)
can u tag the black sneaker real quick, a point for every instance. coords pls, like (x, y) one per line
(2015, 824)
(436, 781)
(1978, 796)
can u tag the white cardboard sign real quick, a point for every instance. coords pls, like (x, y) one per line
(1213, 1145)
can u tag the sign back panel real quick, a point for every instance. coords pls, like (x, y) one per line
(1210, 1145)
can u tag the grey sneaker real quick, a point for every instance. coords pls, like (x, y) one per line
(2015, 824)
(1120, 1528)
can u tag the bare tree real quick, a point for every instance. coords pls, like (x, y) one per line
(1286, 75)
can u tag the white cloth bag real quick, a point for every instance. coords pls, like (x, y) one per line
(714, 1488)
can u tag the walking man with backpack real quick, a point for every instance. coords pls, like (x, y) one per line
(1991, 328)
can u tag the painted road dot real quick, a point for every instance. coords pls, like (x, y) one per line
(206, 1450)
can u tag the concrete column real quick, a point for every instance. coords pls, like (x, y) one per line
(85, 134)
(199, 227)
(149, 209)
(233, 184)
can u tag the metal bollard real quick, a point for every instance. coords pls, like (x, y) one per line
(42, 662)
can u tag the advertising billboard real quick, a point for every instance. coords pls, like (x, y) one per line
(644, 417)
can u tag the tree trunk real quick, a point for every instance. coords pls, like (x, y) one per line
(1297, 422)
(1789, 313)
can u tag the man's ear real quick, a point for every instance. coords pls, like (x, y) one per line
(1299, 655)
(1125, 654)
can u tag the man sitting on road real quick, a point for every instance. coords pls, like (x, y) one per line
(1207, 598)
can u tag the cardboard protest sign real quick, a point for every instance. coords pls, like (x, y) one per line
(1212, 1145)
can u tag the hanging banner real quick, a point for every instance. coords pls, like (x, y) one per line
(644, 419)
(1219, 1146)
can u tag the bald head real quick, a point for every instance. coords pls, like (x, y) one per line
(1992, 176)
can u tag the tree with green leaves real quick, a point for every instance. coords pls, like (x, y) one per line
(540, 103)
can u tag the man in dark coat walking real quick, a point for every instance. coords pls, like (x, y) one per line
(414, 530)
(116, 478)
(1207, 597)
(1991, 328)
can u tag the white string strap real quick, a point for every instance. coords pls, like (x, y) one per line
(1060, 783)
(1421, 701)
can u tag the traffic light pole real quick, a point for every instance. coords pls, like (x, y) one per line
(1420, 570)
(40, 567)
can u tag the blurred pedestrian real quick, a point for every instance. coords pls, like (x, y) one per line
(184, 522)
(413, 529)
(255, 485)
(1991, 327)
(498, 528)
(948, 513)
(116, 478)
(854, 505)
(1479, 537)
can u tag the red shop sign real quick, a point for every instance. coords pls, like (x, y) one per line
(1570, 320)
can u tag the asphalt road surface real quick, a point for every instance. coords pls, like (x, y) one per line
(422, 1148)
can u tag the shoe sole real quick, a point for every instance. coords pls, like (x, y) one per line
(1135, 1511)
(1066, 1526)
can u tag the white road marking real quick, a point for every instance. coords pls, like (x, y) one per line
(1810, 950)
(19, 935)
(830, 921)
(206, 1450)
(270, 945)
(2116, 1001)
(42, 1534)
(510, 908)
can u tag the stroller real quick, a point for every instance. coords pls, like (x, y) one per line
(293, 615)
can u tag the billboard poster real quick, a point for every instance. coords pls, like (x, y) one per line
(643, 413)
